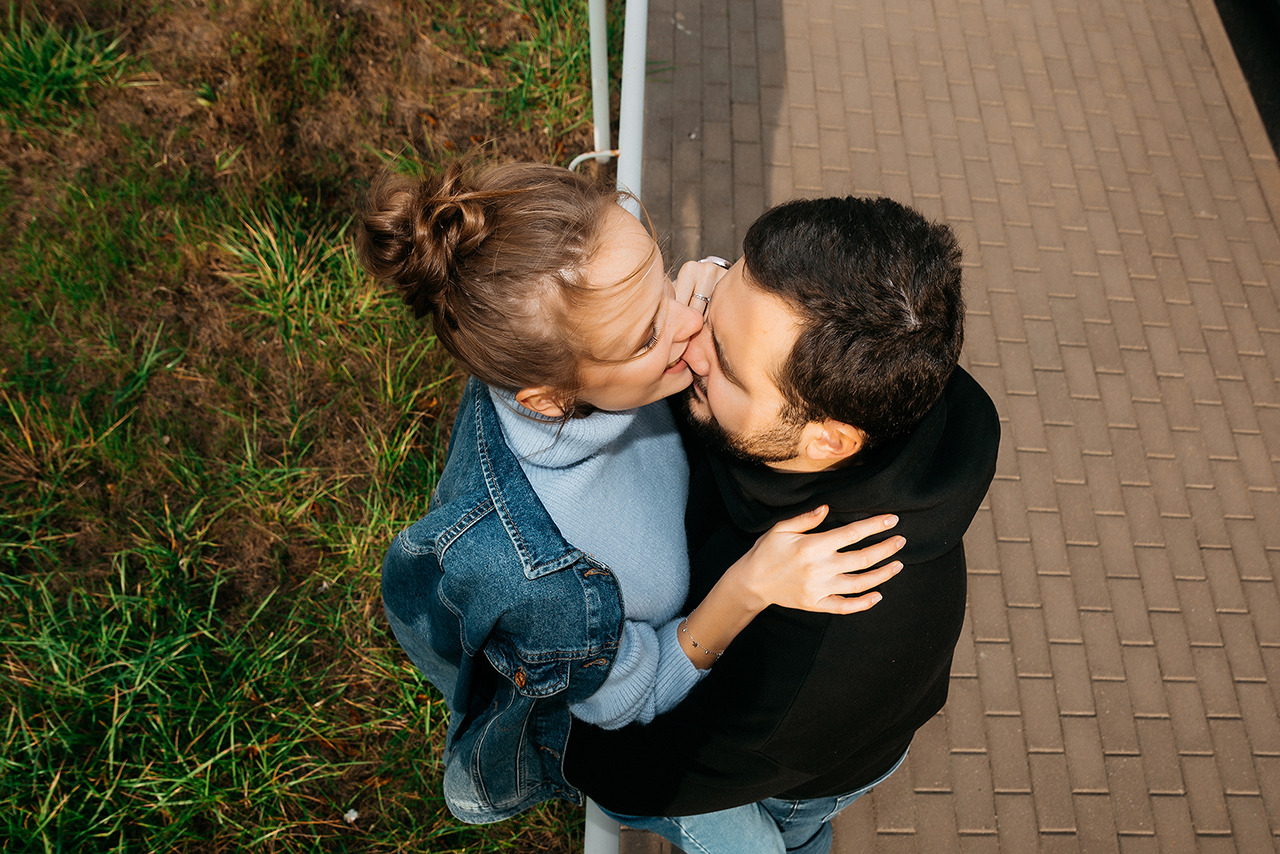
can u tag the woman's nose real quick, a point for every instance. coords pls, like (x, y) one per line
(696, 353)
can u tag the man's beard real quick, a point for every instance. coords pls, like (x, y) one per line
(775, 445)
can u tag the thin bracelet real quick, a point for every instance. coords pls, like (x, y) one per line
(684, 630)
(717, 260)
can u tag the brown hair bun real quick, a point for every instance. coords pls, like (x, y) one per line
(495, 258)
(415, 234)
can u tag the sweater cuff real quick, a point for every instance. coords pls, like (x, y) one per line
(627, 692)
(676, 673)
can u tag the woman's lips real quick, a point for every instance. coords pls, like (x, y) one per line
(677, 368)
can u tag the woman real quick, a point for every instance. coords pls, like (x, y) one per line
(548, 578)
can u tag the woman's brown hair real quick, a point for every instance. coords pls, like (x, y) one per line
(496, 260)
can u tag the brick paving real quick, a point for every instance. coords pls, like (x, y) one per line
(1117, 682)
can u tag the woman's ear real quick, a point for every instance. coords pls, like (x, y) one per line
(541, 400)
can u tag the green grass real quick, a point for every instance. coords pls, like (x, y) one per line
(551, 71)
(294, 279)
(542, 81)
(189, 612)
(95, 241)
(45, 70)
(304, 43)
(175, 713)
(212, 423)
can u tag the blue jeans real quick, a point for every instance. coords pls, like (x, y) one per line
(771, 826)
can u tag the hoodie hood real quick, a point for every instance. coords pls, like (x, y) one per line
(934, 478)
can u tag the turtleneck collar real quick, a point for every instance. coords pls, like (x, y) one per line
(553, 442)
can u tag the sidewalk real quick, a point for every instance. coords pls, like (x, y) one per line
(1116, 686)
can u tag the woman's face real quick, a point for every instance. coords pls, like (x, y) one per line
(643, 331)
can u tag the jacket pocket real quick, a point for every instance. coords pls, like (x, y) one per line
(531, 676)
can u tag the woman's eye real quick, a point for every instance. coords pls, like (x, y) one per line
(652, 342)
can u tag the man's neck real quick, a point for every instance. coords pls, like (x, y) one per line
(802, 464)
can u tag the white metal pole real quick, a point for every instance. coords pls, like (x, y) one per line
(603, 834)
(631, 122)
(598, 19)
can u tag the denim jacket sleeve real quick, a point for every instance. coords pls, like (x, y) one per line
(509, 621)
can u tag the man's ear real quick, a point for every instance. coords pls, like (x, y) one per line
(832, 441)
(541, 400)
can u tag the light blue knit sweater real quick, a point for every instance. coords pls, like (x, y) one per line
(616, 484)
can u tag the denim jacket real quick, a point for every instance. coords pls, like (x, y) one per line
(507, 620)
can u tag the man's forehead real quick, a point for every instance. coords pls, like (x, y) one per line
(753, 329)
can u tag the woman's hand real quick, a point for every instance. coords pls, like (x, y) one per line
(696, 281)
(791, 568)
(788, 567)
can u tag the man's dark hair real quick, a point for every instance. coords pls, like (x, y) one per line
(877, 288)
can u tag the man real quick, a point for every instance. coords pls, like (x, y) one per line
(826, 373)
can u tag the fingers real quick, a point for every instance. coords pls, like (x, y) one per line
(856, 561)
(848, 605)
(863, 581)
(845, 602)
(684, 283)
(696, 282)
(856, 532)
(806, 522)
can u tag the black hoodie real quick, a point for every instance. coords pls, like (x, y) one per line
(807, 705)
